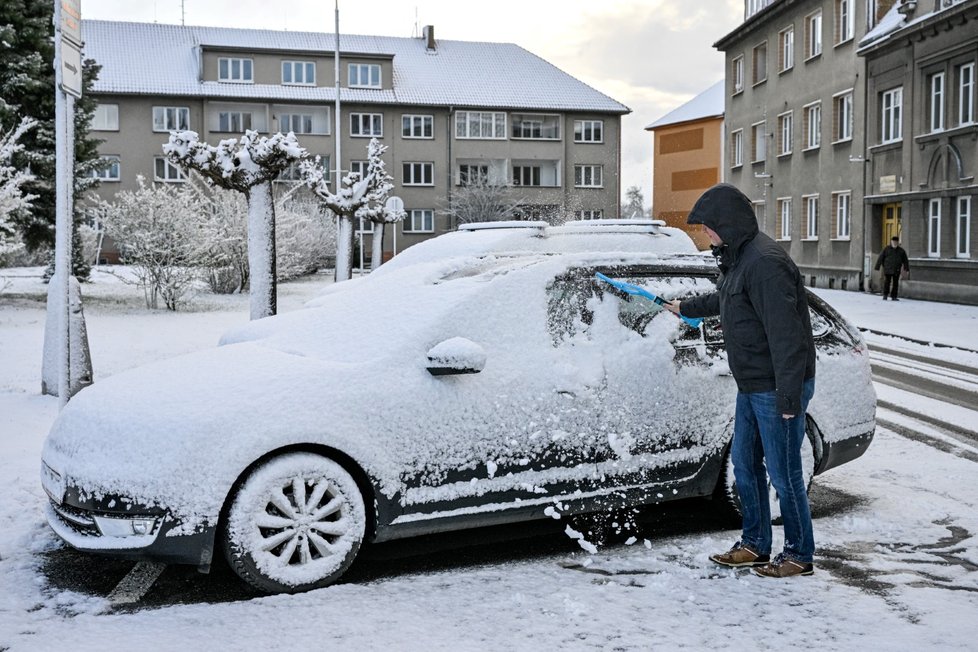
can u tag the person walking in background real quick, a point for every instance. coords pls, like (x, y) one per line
(893, 259)
(767, 333)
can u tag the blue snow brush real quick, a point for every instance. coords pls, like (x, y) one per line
(628, 288)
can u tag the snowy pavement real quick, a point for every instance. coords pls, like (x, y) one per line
(897, 534)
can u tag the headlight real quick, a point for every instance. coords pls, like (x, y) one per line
(125, 527)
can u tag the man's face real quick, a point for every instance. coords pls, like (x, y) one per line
(894, 243)
(715, 239)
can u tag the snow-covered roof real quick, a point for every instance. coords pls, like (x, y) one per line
(708, 104)
(157, 59)
(895, 21)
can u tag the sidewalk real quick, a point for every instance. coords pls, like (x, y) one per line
(931, 322)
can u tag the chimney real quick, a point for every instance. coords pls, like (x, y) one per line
(907, 7)
(428, 34)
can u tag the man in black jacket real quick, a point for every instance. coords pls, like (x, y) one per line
(893, 259)
(767, 333)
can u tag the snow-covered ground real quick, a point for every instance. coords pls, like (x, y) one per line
(897, 559)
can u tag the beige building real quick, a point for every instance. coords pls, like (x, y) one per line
(449, 112)
(687, 158)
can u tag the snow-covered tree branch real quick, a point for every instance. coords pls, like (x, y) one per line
(247, 165)
(482, 201)
(12, 196)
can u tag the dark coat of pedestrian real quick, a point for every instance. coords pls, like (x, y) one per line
(894, 262)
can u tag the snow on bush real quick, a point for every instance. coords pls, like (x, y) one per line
(305, 239)
(12, 197)
(482, 201)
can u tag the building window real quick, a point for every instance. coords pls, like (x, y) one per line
(109, 169)
(419, 174)
(469, 174)
(964, 227)
(417, 126)
(292, 173)
(170, 118)
(758, 142)
(737, 148)
(595, 214)
(234, 121)
(813, 35)
(163, 170)
(784, 218)
(842, 116)
(480, 124)
(844, 21)
(966, 94)
(297, 123)
(589, 131)
(760, 63)
(106, 118)
(936, 107)
(784, 133)
(737, 74)
(536, 127)
(934, 229)
(842, 207)
(363, 75)
(364, 226)
(420, 220)
(367, 125)
(588, 176)
(811, 217)
(359, 167)
(813, 125)
(526, 175)
(235, 70)
(891, 108)
(299, 73)
(786, 49)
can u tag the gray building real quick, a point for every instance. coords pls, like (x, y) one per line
(922, 143)
(794, 142)
(448, 111)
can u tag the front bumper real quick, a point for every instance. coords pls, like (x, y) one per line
(839, 452)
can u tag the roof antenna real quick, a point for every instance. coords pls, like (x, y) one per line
(416, 32)
(183, 13)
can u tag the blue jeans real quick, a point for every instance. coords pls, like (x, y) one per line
(762, 435)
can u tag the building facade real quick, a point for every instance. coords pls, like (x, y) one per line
(687, 159)
(449, 112)
(922, 143)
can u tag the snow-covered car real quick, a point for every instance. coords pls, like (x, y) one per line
(485, 376)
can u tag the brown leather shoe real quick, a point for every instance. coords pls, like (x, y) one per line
(740, 556)
(782, 566)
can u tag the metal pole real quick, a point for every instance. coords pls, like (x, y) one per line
(336, 109)
(62, 249)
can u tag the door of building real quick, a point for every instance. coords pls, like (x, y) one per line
(891, 223)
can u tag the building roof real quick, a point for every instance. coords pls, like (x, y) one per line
(897, 20)
(158, 59)
(708, 104)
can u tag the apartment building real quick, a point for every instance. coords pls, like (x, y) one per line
(922, 143)
(794, 110)
(687, 158)
(450, 113)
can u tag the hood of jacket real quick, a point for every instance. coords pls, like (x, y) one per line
(727, 211)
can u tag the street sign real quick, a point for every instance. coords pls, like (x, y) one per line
(71, 69)
(71, 21)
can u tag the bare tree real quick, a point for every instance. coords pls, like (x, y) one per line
(247, 165)
(12, 196)
(482, 201)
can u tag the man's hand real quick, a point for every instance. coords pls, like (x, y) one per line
(672, 306)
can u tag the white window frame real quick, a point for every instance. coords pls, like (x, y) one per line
(357, 70)
(846, 20)
(785, 133)
(467, 174)
(872, 9)
(171, 172)
(535, 119)
(589, 131)
(290, 118)
(521, 172)
(737, 148)
(418, 173)
(811, 216)
(843, 214)
(367, 125)
(934, 228)
(966, 94)
(584, 173)
(737, 73)
(230, 117)
(758, 141)
(364, 226)
(843, 105)
(891, 115)
(936, 91)
(307, 69)
(786, 46)
(784, 212)
(759, 54)
(813, 125)
(497, 120)
(963, 226)
(164, 116)
(415, 221)
(106, 118)
(414, 126)
(360, 167)
(589, 214)
(813, 35)
(110, 173)
(241, 77)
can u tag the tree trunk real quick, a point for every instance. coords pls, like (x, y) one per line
(261, 250)
(377, 255)
(344, 249)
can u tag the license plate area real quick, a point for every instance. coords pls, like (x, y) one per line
(53, 483)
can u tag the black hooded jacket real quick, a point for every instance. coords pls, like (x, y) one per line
(761, 301)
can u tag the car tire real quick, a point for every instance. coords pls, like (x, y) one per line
(296, 523)
(726, 491)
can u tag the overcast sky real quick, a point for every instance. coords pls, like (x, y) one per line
(651, 55)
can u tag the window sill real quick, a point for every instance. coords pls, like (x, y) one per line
(888, 145)
(737, 166)
(418, 185)
(406, 232)
(846, 239)
(589, 142)
(155, 180)
(759, 82)
(785, 154)
(737, 92)
(478, 138)
(298, 84)
(550, 140)
(842, 141)
(808, 150)
(417, 137)
(236, 81)
(783, 240)
(784, 70)
(813, 57)
(516, 185)
(369, 88)
(366, 135)
(810, 239)
(848, 41)
(761, 161)
(589, 187)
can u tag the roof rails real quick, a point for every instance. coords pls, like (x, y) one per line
(612, 226)
(508, 224)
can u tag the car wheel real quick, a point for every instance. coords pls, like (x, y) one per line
(296, 523)
(727, 487)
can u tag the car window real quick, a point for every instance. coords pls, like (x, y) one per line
(820, 323)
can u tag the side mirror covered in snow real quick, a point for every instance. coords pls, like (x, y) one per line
(456, 356)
